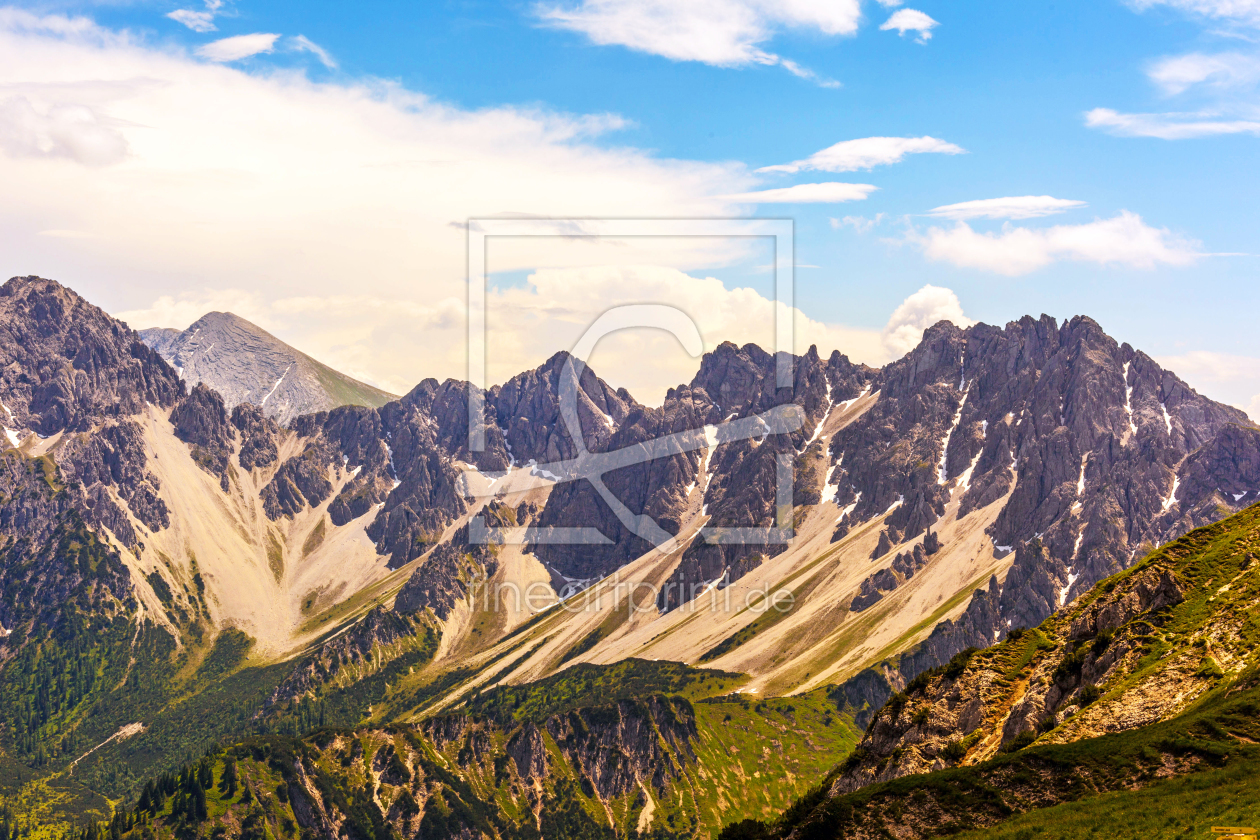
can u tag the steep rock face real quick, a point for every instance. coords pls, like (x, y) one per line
(259, 437)
(446, 575)
(1091, 439)
(200, 420)
(246, 364)
(1135, 650)
(527, 409)
(741, 478)
(51, 566)
(67, 365)
(109, 465)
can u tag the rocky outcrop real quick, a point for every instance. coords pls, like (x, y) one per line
(246, 364)
(359, 650)
(201, 421)
(67, 366)
(1043, 683)
(259, 437)
(616, 748)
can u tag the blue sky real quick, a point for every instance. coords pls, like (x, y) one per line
(1145, 114)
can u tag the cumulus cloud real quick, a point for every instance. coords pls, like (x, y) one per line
(198, 20)
(866, 153)
(1014, 207)
(1228, 377)
(930, 305)
(270, 182)
(303, 44)
(1122, 240)
(911, 20)
(1171, 126)
(62, 130)
(724, 33)
(238, 46)
(179, 311)
(832, 192)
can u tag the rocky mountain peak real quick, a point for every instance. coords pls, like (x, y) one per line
(247, 364)
(67, 365)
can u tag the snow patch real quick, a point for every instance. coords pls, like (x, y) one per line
(274, 387)
(964, 480)
(984, 428)
(847, 404)
(1076, 549)
(1072, 578)
(1238, 496)
(900, 499)
(538, 471)
(847, 509)
(1128, 399)
(711, 438)
(1167, 419)
(1172, 496)
(1005, 549)
(942, 470)
(1080, 482)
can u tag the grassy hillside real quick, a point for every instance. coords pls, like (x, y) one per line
(1155, 732)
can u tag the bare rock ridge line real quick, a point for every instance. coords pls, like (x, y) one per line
(247, 364)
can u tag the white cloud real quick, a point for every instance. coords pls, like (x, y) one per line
(1231, 378)
(890, 4)
(64, 130)
(198, 20)
(1171, 126)
(1123, 239)
(861, 224)
(911, 20)
(272, 183)
(1014, 207)
(926, 307)
(1242, 12)
(238, 46)
(303, 44)
(867, 152)
(725, 33)
(180, 310)
(1177, 74)
(831, 192)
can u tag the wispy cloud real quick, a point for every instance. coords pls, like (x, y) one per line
(1015, 207)
(198, 20)
(238, 46)
(1123, 240)
(723, 33)
(1236, 12)
(303, 44)
(911, 20)
(1171, 126)
(861, 224)
(832, 192)
(1222, 71)
(866, 153)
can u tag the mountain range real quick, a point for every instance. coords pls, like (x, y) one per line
(280, 551)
